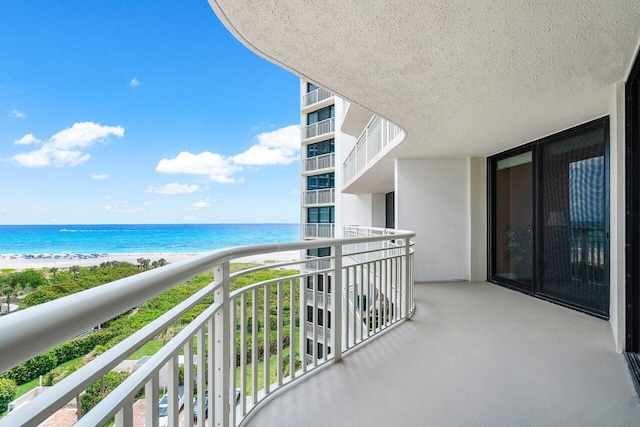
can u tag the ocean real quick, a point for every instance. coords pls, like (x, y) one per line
(138, 238)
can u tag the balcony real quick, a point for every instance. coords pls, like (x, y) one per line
(324, 196)
(318, 231)
(220, 346)
(473, 354)
(317, 129)
(323, 161)
(314, 97)
(378, 135)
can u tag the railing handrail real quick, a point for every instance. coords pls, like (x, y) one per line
(119, 403)
(319, 94)
(70, 315)
(383, 131)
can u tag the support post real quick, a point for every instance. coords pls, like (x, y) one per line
(336, 308)
(222, 347)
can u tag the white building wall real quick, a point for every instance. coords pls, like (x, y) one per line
(478, 219)
(432, 199)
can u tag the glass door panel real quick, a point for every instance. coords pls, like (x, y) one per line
(513, 231)
(574, 221)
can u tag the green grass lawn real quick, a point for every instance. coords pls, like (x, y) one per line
(149, 349)
(273, 369)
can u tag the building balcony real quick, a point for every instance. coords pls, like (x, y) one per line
(317, 263)
(377, 138)
(320, 298)
(323, 161)
(473, 354)
(314, 97)
(222, 351)
(318, 129)
(318, 231)
(324, 196)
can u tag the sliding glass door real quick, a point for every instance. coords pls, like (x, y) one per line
(549, 218)
(513, 204)
(574, 232)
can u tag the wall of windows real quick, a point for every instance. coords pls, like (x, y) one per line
(320, 115)
(323, 180)
(321, 215)
(320, 148)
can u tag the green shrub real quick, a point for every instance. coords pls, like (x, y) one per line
(32, 368)
(80, 346)
(8, 390)
(93, 396)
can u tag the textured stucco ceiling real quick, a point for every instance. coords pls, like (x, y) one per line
(463, 78)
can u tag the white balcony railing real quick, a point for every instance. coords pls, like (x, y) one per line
(376, 136)
(315, 96)
(322, 161)
(221, 344)
(319, 197)
(317, 263)
(320, 231)
(318, 128)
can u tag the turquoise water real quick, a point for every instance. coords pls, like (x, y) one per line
(143, 238)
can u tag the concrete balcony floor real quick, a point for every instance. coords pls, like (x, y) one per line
(475, 354)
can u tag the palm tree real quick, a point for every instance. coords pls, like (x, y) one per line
(75, 270)
(162, 262)
(140, 263)
(8, 292)
(53, 270)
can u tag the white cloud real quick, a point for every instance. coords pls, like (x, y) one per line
(278, 147)
(17, 114)
(216, 167)
(100, 176)
(203, 204)
(27, 140)
(107, 197)
(134, 82)
(173, 188)
(189, 217)
(64, 148)
(123, 209)
(3, 210)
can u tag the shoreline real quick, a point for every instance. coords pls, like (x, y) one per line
(39, 261)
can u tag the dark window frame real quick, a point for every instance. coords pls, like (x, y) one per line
(536, 150)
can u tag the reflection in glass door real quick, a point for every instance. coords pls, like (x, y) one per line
(513, 239)
(574, 249)
(549, 228)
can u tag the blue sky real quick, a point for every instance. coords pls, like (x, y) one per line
(141, 112)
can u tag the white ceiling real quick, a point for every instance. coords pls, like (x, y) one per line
(463, 78)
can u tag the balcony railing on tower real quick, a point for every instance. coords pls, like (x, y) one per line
(242, 346)
(322, 161)
(319, 231)
(375, 137)
(319, 197)
(318, 128)
(315, 96)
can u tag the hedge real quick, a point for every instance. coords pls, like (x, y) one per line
(48, 360)
(8, 390)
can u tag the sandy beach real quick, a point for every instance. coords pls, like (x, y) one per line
(22, 262)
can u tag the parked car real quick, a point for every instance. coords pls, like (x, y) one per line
(163, 407)
(206, 406)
